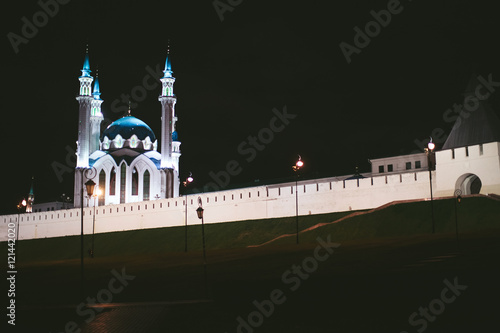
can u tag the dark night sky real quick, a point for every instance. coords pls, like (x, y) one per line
(231, 74)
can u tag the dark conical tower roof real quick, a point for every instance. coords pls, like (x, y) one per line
(482, 124)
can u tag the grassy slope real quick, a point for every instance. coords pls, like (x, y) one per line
(408, 219)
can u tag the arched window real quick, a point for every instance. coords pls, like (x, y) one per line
(123, 179)
(102, 187)
(135, 182)
(112, 182)
(145, 184)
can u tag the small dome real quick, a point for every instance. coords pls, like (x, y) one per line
(126, 127)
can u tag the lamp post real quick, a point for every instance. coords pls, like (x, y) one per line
(199, 212)
(458, 199)
(430, 151)
(90, 185)
(20, 206)
(188, 181)
(97, 193)
(299, 164)
(65, 200)
(88, 173)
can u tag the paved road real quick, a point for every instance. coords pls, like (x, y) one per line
(361, 289)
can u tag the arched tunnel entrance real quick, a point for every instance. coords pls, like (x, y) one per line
(469, 184)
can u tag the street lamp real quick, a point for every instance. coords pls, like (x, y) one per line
(90, 185)
(84, 173)
(299, 164)
(188, 181)
(199, 212)
(430, 151)
(458, 199)
(97, 193)
(65, 200)
(20, 206)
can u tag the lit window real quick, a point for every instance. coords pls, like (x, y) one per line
(105, 143)
(134, 141)
(145, 185)
(102, 187)
(118, 141)
(135, 182)
(112, 182)
(123, 178)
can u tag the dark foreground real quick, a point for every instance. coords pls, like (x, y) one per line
(417, 284)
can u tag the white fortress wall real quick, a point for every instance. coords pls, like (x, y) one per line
(454, 164)
(315, 197)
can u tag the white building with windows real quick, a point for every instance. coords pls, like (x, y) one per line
(123, 160)
(397, 164)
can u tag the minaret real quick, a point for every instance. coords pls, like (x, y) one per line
(31, 198)
(83, 144)
(85, 101)
(169, 160)
(95, 117)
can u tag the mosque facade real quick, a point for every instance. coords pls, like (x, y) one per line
(124, 160)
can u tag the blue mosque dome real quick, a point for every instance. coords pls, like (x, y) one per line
(128, 126)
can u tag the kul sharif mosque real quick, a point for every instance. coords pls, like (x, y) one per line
(124, 161)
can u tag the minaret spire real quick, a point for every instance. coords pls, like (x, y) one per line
(31, 198)
(168, 66)
(85, 79)
(96, 92)
(129, 112)
(96, 116)
(86, 63)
